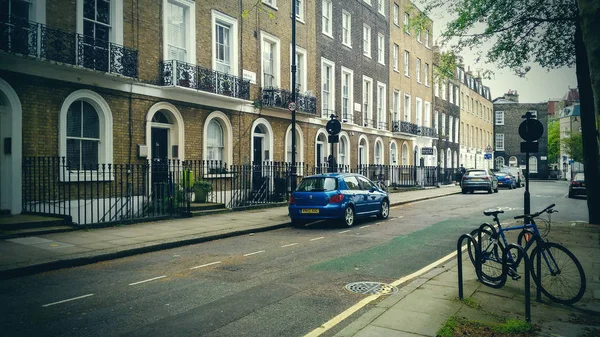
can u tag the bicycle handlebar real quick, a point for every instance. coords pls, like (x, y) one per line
(535, 215)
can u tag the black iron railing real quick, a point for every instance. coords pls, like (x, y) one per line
(37, 40)
(183, 74)
(368, 122)
(326, 113)
(428, 132)
(405, 127)
(280, 98)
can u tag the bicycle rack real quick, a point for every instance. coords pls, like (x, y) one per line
(505, 266)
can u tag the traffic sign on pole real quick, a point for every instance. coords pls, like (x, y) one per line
(292, 106)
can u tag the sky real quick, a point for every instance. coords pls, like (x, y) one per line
(539, 85)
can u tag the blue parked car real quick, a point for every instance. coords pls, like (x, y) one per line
(506, 179)
(337, 196)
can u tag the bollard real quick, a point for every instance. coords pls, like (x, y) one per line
(459, 257)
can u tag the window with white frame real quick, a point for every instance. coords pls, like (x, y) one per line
(396, 106)
(367, 40)
(456, 131)
(367, 2)
(343, 151)
(300, 10)
(301, 69)
(419, 111)
(395, 56)
(270, 60)
(436, 87)
(272, 3)
(381, 104)
(396, 14)
(533, 164)
(179, 30)
(443, 90)
(427, 38)
(406, 57)
(380, 48)
(451, 93)
(327, 87)
(214, 141)
(225, 43)
(381, 7)
(418, 70)
(346, 28)
(436, 124)
(499, 117)
(450, 128)
(427, 114)
(419, 35)
(326, 22)
(83, 135)
(443, 124)
(499, 142)
(347, 94)
(406, 108)
(426, 74)
(378, 153)
(367, 101)
(406, 22)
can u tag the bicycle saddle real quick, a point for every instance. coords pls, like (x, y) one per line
(492, 212)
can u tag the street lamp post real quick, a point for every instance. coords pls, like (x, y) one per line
(294, 173)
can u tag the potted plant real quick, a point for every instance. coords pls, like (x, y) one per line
(201, 190)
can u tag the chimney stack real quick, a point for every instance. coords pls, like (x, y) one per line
(512, 95)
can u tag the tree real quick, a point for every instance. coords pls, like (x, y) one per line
(553, 141)
(573, 146)
(550, 33)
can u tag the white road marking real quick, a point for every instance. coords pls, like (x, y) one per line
(260, 251)
(400, 216)
(206, 265)
(337, 319)
(68, 300)
(291, 244)
(319, 238)
(148, 280)
(346, 231)
(364, 226)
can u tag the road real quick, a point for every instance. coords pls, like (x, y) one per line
(285, 282)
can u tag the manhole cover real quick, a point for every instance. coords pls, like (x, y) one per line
(371, 288)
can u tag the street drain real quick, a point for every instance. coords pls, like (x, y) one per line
(371, 288)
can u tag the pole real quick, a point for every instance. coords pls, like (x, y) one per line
(294, 173)
(526, 199)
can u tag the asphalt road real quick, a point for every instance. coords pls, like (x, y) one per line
(285, 282)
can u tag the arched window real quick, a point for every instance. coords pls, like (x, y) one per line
(393, 154)
(513, 162)
(321, 148)
(442, 158)
(533, 164)
(455, 160)
(363, 151)
(378, 153)
(448, 158)
(83, 135)
(299, 145)
(344, 150)
(214, 141)
(405, 154)
(499, 162)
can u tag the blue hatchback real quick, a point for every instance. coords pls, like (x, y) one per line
(337, 196)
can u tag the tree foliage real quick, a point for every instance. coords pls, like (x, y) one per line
(573, 146)
(553, 141)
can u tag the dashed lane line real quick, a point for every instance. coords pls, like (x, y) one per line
(249, 254)
(364, 226)
(289, 245)
(206, 265)
(148, 280)
(67, 300)
(346, 231)
(319, 238)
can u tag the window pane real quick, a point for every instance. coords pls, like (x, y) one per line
(89, 9)
(91, 124)
(103, 11)
(73, 152)
(74, 120)
(89, 152)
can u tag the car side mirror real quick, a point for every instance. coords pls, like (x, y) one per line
(372, 189)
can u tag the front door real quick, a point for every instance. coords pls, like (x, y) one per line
(257, 174)
(5, 159)
(160, 154)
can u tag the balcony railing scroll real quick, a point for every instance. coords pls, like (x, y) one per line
(404, 127)
(183, 74)
(40, 41)
(280, 98)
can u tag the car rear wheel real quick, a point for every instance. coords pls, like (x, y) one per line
(348, 219)
(491, 190)
(571, 195)
(496, 189)
(384, 212)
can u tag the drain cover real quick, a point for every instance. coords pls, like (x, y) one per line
(371, 288)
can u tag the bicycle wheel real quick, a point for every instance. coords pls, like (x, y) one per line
(491, 260)
(562, 276)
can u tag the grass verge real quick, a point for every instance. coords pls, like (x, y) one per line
(459, 326)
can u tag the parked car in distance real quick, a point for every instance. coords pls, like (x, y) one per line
(506, 179)
(577, 185)
(479, 180)
(516, 172)
(337, 196)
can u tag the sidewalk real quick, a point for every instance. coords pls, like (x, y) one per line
(421, 307)
(30, 255)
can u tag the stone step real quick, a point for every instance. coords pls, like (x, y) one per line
(28, 221)
(20, 233)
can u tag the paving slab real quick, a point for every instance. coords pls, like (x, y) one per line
(377, 331)
(403, 319)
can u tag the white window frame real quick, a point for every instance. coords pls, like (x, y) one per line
(346, 29)
(499, 142)
(419, 36)
(499, 118)
(218, 17)
(299, 147)
(396, 105)
(427, 114)
(443, 124)
(436, 87)
(396, 14)
(427, 38)
(443, 90)
(331, 104)
(426, 74)
(190, 21)
(327, 29)
(367, 40)
(406, 63)
(303, 74)
(456, 123)
(225, 123)
(436, 124)
(381, 48)
(350, 112)
(395, 56)
(381, 104)
(266, 37)
(381, 7)
(533, 164)
(38, 9)
(418, 70)
(406, 22)
(300, 10)
(451, 91)
(450, 128)
(368, 99)
(418, 111)
(407, 108)
(270, 3)
(378, 152)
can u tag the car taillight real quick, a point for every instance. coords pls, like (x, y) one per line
(335, 199)
(575, 183)
(486, 178)
(465, 178)
(292, 201)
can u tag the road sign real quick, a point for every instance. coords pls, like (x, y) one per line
(292, 106)
(333, 126)
(489, 148)
(531, 130)
(531, 147)
(427, 151)
(487, 156)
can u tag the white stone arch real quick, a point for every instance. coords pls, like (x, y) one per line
(405, 154)
(177, 135)
(227, 135)
(347, 153)
(448, 158)
(394, 158)
(321, 138)
(513, 161)
(418, 156)
(499, 161)
(363, 143)
(11, 112)
(533, 164)
(264, 125)
(379, 142)
(299, 144)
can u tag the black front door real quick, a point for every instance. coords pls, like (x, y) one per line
(160, 155)
(257, 176)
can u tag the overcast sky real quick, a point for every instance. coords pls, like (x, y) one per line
(539, 85)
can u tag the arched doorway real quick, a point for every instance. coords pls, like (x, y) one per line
(11, 152)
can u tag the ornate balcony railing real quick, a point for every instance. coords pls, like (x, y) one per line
(37, 40)
(404, 127)
(428, 132)
(280, 98)
(183, 74)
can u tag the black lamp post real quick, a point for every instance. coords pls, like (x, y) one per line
(294, 174)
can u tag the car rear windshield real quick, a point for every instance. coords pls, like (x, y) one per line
(317, 184)
(500, 174)
(476, 173)
(579, 177)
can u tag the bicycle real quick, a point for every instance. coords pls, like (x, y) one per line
(562, 278)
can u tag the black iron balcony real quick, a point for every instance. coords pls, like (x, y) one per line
(404, 127)
(428, 132)
(37, 40)
(183, 74)
(280, 98)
